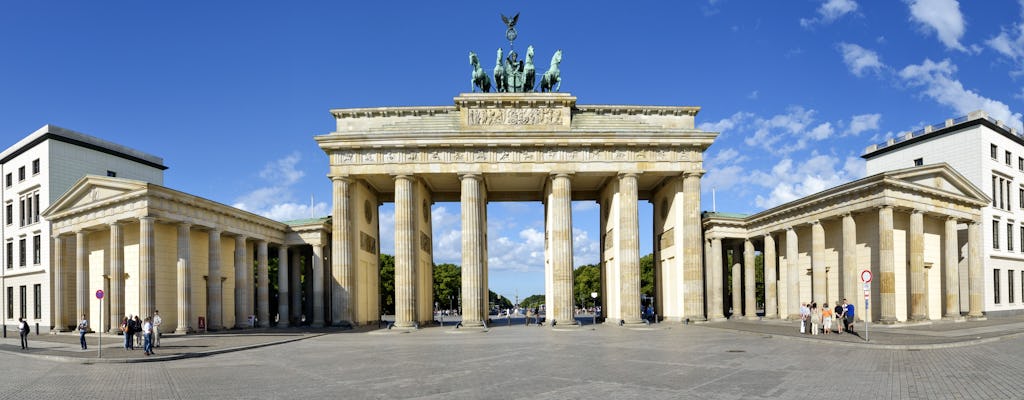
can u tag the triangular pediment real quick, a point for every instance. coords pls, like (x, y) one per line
(93, 189)
(940, 177)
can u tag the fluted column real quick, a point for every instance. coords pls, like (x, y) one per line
(708, 281)
(974, 271)
(262, 284)
(318, 285)
(116, 296)
(81, 274)
(147, 266)
(850, 272)
(737, 280)
(693, 302)
(473, 306)
(214, 285)
(771, 304)
(405, 253)
(342, 253)
(918, 301)
(717, 281)
(818, 277)
(629, 251)
(242, 297)
(59, 319)
(886, 266)
(561, 250)
(184, 278)
(951, 268)
(792, 275)
(282, 287)
(296, 286)
(749, 284)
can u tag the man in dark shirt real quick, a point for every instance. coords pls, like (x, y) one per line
(849, 316)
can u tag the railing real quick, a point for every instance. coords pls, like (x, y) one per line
(905, 136)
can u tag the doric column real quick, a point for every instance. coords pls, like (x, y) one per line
(116, 295)
(849, 271)
(717, 289)
(262, 284)
(214, 286)
(147, 266)
(974, 271)
(405, 253)
(737, 280)
(886, 266)
(818, 278)
(318, 285)
(59, 319)
(473, 305)
(693, 301)
(296, 286)
(561, 251)
(749, 301)
(81, 274)
(771, 304)
(242, 297)
(918, 301)
(629, 252)
(951, 267)
(282, 286)
(708, 281)
(792, 275)
(184, 278)
(342, 253)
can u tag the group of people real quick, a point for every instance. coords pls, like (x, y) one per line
(141, 332)
(817, 319)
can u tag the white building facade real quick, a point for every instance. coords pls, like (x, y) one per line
(990, 155)
(35, 172)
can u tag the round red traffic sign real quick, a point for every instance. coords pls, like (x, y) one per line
(99, 294)
(865, 275)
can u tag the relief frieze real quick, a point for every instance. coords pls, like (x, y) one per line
(514, 116)
(513, 154)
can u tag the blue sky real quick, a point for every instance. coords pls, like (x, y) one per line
(230, 94)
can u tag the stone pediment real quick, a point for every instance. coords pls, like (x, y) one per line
(91, 190)
(940, 177)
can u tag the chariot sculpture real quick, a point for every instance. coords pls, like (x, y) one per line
(512, 75)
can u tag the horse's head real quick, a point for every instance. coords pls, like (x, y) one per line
(529, 54)
(557, 58)
(499, 55)
(473, 60)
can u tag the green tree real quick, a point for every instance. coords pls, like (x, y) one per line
(499, 301)
(532, 301)
(387, 283)
(447, 283)
(647, 275)
(586, 280)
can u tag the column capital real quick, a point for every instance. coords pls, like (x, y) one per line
(282, 246)
(115, 223)
(629, 174)
(470, 175)
(147, 218)
(407, 177)
(698, 174)
(184, 224)
(341, 178)
(768, 235)
(815, 222)
(567, 175)
(847, 214)
(952, 218)
(790, 228)
(917, 211)
(884, 206)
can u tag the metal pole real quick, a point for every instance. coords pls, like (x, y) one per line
(99, 353)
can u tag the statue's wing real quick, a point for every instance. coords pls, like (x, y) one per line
(504, 19)
(515, 18)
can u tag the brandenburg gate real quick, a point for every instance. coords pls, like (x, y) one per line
(516, 147)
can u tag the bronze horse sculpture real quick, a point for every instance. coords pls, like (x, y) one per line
(480, 79)
(529, 70)
(500, 85)
(552, 79)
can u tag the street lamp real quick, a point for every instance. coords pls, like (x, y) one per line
(593, 317)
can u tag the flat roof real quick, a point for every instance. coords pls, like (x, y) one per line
(53, 132)
(940, 129)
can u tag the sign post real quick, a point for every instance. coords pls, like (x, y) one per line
(99, 296)
(865, 276)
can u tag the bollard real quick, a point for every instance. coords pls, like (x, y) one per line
(5, 330)
(37, 329)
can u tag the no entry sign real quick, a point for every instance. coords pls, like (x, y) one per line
(865, 276)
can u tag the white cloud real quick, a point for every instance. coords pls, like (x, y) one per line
(821, 132)
(862, 123)
(753, 95)
(937, 82)
(723, 126)
(859, 59)
(584, 206)
(276, 200)
(829, 11)
(769, 132)
(1010, 43)
(944, 17)
(789, 180)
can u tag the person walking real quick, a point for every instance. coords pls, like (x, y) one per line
(126, 330)
(156, 327)
(147, 334)
(23, 332)
(83, 328)
(815, 318)
(826, 318)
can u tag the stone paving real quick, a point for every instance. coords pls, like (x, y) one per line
(726, 360)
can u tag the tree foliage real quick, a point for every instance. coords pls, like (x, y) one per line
(447, 283)
(387, 283)
(647, 275)
(499, 301)
(532, 301)
(586, 280)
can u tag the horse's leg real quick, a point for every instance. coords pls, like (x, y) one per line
(559, 85)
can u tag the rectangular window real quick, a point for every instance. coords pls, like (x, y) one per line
(1020, 163)
(22, 307)
(1009, 285)
(10, 302)
(995, 283)
(918, 162)
(10, 255)
(37, 303)
(9, 180)
(1009, 236)
(995, 234)
(1008, 157)
(37, 250)
(993, 151)
(112, 174)
(1021, 203)
(28, 211)
(35, 166)
(21, 173)
(10, 213)
(35, 200)
(21, 212)
(995, 185)
(22, 251)
(1009, 204)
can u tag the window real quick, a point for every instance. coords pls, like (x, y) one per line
(32, 204)
(22, 251)
(993, 151)
(21, 173)
(10, 213)
(9, 180)
(21, 212)
(35, 166)
(10, 302)
(28, 212)
(995, 234)
(1008, 157)
(1020, 163)
(1021, 203)
(112, 174)
(23, 291)
(1009, 236)
(37, 250)
(1009, 286)
(10, 254)
(995, 283)
(37, 303)
(918, 162)
(1022, 237)
(995, 184)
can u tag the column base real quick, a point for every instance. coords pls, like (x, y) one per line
(752, 318)
(793, 317)
(887, 321)
(977, 317)
(343, 325)
(954, 318)
(720, 318)
(918, 318)
(184, 331)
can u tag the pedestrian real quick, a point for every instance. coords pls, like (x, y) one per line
(147, 331)
(156, 327)
(826, 318)
(805, 316)
(138, 331)
(126, 331)
(849, 317)
(838, 316)
(815, 318)
(83, 327)
(529, 316)
(23, 331)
